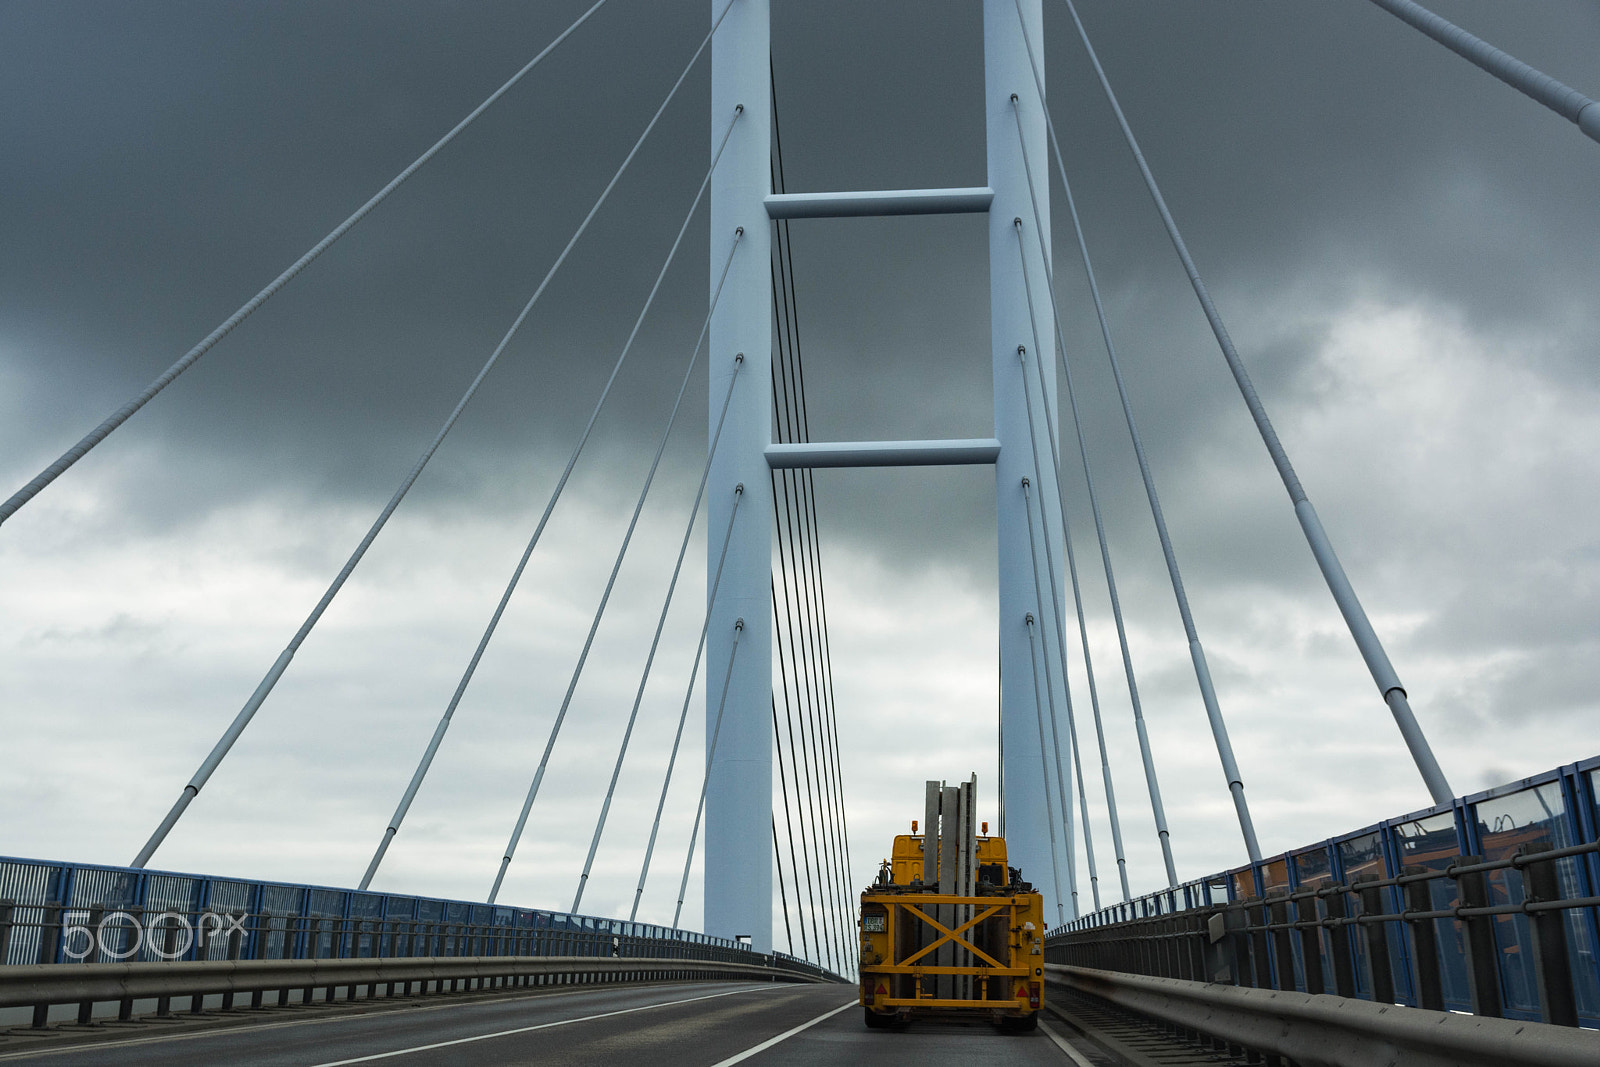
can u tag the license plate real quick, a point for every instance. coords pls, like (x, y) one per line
(872, 924)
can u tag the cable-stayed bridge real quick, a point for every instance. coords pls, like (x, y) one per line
(1453, 907)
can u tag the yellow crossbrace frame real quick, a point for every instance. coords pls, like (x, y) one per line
(983, 908)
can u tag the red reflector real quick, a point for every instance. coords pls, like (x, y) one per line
(1022, 991)
(1033, 994)
(882, 989)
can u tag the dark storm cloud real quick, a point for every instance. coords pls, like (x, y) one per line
(170, 163)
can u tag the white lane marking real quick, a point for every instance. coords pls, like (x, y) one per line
(530, 1029)
(257, 1027)
(1061, 1042)
(786, 1035)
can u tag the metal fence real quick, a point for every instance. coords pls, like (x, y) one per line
(1486, 905)
(77, 913)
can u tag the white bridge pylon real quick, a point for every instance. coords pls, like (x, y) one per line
(738, 889)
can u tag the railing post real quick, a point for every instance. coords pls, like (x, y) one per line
(48, 943)
(286, 947)
(1483, 965)
(1260, 946)
(1198, 971)
(1344, 976)
(1282, 952)
(86, 1007)
(169, 937)
(235, 949)
(1378, 965)
(262, 925)
(125, 1004)
(1557, 1002)
(1424, 943)
(1310, 941)
(50, 933)
(1221, 955)
(8, 911)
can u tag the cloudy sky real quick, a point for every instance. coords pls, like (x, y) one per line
(1404, 249)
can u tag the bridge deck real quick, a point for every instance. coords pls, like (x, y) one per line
(711, 1024)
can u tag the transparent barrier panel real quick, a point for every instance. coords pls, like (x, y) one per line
(1506, 825)
(1433, 844)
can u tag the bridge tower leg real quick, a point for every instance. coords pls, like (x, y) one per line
(1007, 72)
(738, 827)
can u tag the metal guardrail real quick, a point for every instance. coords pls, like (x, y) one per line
(54, 934)
(87, 913)
(1470, 906)
(135, 914)
(43, 985)
(85, 934)
(1257, 943)
(1317, 1030)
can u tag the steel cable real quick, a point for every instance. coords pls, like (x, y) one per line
(1333, 573)
(810, 646)
(122, 414)
(467, 675)
(1063, 795)
(810, 536)
(783, 893)
(788, 826)
(711, 753)
(803, 759)
(795, 755)
(1208, 696)
(688, 694)
(799, 660)
(1044, 766)
(1562, 99)
(1152, 783)
(661, 622)
(1055, 611)
(242, 719)
(1066, 526)
(605, 598)
(807, 697)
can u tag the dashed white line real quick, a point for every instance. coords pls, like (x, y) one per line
(530, 1029)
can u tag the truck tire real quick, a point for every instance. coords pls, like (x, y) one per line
(874, 1020)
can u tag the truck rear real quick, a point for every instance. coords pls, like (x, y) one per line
(948, 928)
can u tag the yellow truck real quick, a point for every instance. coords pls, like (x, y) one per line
(961, 935)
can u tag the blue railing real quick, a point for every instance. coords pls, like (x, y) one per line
(1559, 809)
(66, 913)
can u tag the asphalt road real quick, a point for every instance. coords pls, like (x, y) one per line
(694, 1024)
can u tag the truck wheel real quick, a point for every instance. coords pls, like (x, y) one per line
(874, 1020)
(1020, 1024)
